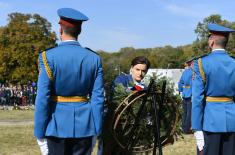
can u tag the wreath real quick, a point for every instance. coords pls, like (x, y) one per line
(133, 126)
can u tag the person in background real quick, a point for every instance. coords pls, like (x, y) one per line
(69, 101)
(133, 81)
(129, 82)
(213, 107)
(185, 88)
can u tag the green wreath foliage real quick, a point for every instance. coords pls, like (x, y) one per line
(123, 111)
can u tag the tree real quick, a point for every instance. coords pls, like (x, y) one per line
(21, 40)
(200, 44)
(202, 30)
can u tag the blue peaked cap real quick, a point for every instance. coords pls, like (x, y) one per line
(218, 28)
(71, 14)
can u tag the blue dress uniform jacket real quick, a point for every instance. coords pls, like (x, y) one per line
(128, 83)
(75, 71)
(213, 108)
(185, 83)
(125, 80)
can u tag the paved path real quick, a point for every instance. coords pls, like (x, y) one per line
(15, 122)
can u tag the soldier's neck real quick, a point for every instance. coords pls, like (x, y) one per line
(66, 37)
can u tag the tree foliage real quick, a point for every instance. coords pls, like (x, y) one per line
(201, 29)
(27, 34)
(166, 57)
(202, 33)
(20, 42)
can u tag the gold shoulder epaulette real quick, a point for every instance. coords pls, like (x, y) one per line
(46, 65)
(201, 69)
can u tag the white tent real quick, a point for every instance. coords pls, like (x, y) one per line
(173, 74)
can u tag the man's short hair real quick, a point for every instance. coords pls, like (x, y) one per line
(73, 31)
(221, 41)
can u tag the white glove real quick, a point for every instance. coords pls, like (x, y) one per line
(43, 146)
(199, 139)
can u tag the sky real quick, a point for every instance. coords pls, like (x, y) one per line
(114, 24)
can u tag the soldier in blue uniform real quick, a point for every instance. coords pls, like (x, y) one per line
(69, 102)
(185, 87)
(213, 107)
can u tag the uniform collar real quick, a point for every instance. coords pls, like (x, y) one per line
(220, 50)
(69, 42)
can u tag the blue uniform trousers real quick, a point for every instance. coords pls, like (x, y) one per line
(69, 146)
(219, 143)
(186, 121)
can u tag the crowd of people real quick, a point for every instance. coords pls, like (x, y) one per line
(17, 95)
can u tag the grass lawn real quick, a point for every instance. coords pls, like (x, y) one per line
(186, 146)
(19, 140)
(16, 115)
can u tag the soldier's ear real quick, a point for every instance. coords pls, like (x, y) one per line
(210, 44)
(61, 31)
